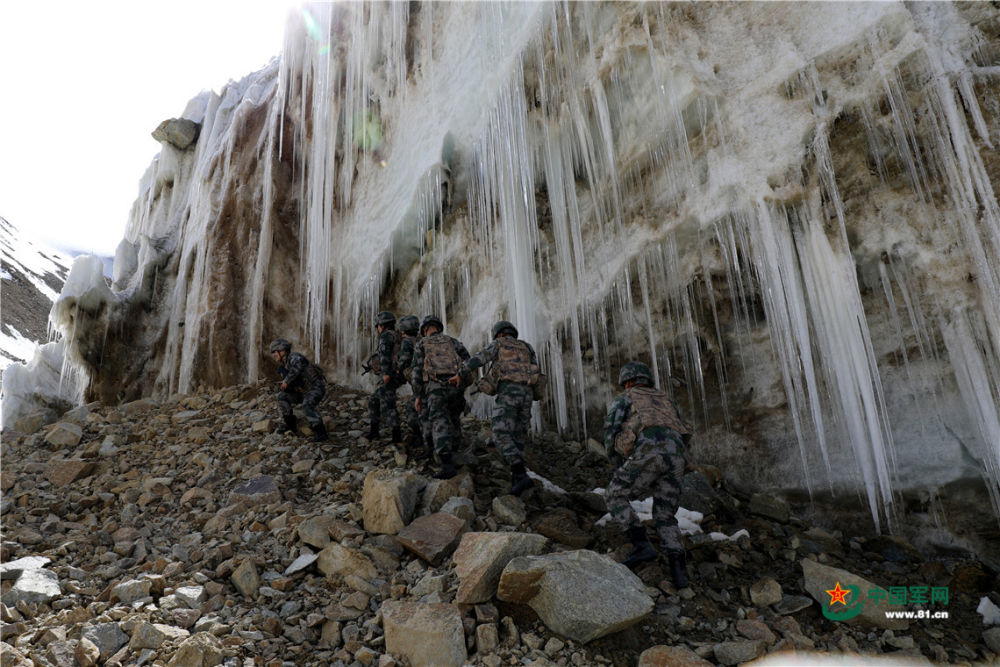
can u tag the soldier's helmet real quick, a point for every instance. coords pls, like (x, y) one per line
(431, 319)
(280, 344)
(635, 370)
(409, 324)
(385, 317)
(504, 325)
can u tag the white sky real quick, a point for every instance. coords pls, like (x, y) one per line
(84, 83)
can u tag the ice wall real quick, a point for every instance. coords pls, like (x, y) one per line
(786, 209)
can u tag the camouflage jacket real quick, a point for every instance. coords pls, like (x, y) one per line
(491, 353)
(417, 379)
(619, 413)
(299, 374)
(388, 349)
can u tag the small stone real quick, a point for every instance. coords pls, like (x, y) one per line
(432, 537)
(671, 656)
(992, 639)
(791, 604)
(108, 638)
(152, 635)
(754, 629)
(736, 652)
(487, 638)
(246, 580)
(258, 491)
(315, 531)
(770, 507)
(87, 654)
(302, 562)
(509, 510)
(180, 133)
(63, 472)
(131, 590)
(765, 592)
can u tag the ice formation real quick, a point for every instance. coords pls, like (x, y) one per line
(787, 209)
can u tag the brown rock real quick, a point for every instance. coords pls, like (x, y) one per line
(481, 558)
(338, 560)
(432, 537)
(560, 525)
(246, 580)
(424, 634)
(388, 500)
(64, 434)
(64, 471)
(671, 656)
(316, 531)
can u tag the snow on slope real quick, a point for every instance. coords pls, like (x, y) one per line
(31, 276)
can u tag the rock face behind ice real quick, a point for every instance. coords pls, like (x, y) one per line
(736, 192)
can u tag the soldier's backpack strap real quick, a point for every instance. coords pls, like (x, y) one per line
(441, 361)
(652, 407)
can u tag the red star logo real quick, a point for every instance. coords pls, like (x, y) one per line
(838, 594)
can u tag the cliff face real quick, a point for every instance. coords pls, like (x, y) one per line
(787, 209)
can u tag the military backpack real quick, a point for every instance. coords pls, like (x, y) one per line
(441, 361)
(513, 364)
(650, 407)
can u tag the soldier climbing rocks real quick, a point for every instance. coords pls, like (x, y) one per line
(301, 382)
(382, 404)
(645, 428)
(512, 376)
(437, 357)
(409, 327)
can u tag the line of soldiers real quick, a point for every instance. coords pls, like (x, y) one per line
(643, 430)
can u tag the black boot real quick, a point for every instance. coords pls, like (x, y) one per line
(319, 432)
(678, 569)
(519, 480)
(447, 467)
(397, 434)
(642, 550)
(290, 425)
(373, 431)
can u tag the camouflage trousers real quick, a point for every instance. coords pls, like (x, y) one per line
(511, 420)
(443, 406)
(657, 468)
(289, 397)
(382, 405)
(411, 416)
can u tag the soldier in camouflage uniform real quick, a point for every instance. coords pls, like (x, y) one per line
(409, 326)
(644, 426)
(513, 370)
(382, 403)
(436, 358)
(302, 382)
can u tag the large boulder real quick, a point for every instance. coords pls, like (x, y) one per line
(821, 578)
(432, 537)
(64, 434)
(481, 558)
(33, 585)
(178, 132)
(388, 500)
(13, 569)
(439, 491)
(578, 594)
(424, 634)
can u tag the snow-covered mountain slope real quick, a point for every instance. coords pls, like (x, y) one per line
(32, 276)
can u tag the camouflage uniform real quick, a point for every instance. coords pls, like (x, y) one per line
(382, 403)
(443, 403)
(304, 383)
(512, 409)
(410, 414)
(656, 466)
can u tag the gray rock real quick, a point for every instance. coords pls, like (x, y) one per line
(131, 590)
(698, 495)
(992, 639)
(199, 650)
(178, 132)
(246, 580)
(152, 635)
(302, 562)
(336, 559)
(463, 508)
(13, 569)
(578, 594)
(791, 604)
(820, 578)
(736, 652)
(191, 596)
(315, 531)
(509, 510)
(671, 656)
(36, 585)
(108, 638)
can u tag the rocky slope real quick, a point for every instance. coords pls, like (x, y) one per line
(184, 532)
